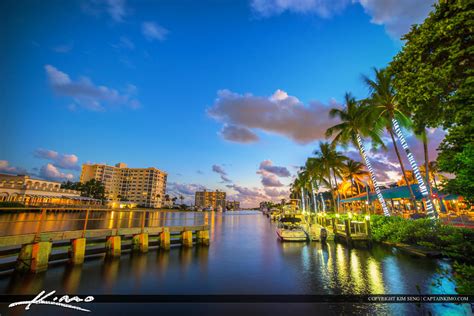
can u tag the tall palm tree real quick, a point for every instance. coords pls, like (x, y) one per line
(354, 171)
(332, 162)
(354, 124)
(384, 110)
(316, 174)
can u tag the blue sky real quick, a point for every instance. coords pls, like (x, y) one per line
(215, 93)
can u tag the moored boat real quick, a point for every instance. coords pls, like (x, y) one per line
(289, 229)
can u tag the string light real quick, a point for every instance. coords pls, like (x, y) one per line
(430, 211)
(386, 212)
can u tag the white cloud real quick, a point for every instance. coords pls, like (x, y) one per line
(153, 31)
(87, 95)
(6, 168)
(63, 161)
(280, 114)
(268, 166)
(238, 134)
(116, 9)
(396, 15)
(220, 170)
(64, 48)
(50, 172)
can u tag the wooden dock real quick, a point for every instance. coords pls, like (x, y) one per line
(348, 231)
(34, 251)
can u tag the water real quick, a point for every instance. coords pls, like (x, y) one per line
(245, 257)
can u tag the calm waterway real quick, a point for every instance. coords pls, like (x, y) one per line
(244, 257)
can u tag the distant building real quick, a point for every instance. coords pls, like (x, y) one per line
(36, 192)
(233, 205)
(142, 186)
(214, 199)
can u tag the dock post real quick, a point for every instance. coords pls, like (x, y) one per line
(347, 226)
(165, 239)
(368, 231)
(203, 237)
(78, 250)
(187, 238)
(140, 242)
(113, 246)
(34, 257)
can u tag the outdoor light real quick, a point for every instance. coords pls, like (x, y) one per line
(372, 177)
(367, 217)
(366, 202)
(421, 183)
(350, 215)
(337, 215)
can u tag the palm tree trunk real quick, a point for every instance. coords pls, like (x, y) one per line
(361, 148)
(402, 166)
(314, 197)
(332, 189)
(427, 167)
(337, 190)
(430, 210)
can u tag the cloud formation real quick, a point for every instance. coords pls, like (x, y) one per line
(6, 168)
(268, 166)
(153, 31)
(238, 134)
(116, 9)
(63, 161)
(87, 95)
(50, 172)
(187, 190)
(220, 170)
(396, 15)
(279, 114)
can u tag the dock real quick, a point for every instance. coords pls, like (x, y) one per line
(48, 242)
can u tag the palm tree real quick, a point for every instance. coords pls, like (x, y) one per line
(332, 162)
(385, 110)
(354, 123)
(354, 171)
(315, 170)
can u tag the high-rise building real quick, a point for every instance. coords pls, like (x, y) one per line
(233, 205)
(214, 199)
(143, 186)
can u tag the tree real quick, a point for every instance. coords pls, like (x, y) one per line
(385, 111)
(355, 173)
(433, 76)
(93, 189)
(355, 122)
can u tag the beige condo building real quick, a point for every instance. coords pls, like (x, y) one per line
(214, 199)
(143, 186)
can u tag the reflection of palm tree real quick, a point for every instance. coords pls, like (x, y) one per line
(384, 110)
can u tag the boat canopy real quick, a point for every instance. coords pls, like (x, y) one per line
(290, 220)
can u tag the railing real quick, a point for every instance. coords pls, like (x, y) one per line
(49, 219)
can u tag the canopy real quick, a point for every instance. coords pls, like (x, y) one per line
(400, 192)
(290, 220)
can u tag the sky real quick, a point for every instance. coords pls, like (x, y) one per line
(228, 95)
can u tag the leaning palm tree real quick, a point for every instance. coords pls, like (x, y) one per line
(386, 113)
(316, 173)
(354, 123)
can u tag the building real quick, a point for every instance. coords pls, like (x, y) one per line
(36, 192)
(214, 199)
(233, 205)
(142, 186)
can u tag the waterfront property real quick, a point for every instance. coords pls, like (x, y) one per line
(233, 205)
(142, 186)
(39, 236)
(36, 192)
(210, 199)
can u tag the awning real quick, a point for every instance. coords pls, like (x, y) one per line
(401, 192)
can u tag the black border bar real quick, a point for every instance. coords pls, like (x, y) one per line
(249, 298)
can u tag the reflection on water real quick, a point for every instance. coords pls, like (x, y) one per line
(245, 257)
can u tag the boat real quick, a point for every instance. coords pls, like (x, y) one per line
(274, 214)
(289, 229)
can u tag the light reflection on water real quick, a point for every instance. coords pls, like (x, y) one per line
(245, 257)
